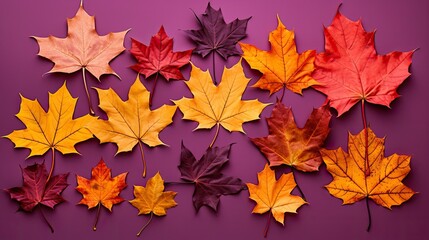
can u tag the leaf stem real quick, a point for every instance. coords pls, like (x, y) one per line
(283, 93)
(365, 128)
(97, 217)
(214, 67)
(369, 214)
(297, 185)
(46, 220)
(143, 161)
(52, 165)
(177, 183)
(267, 226)
(153, 89)
(141, 230)
(87, 92)
(215, 136)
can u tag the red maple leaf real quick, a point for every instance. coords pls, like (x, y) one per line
(159, 58)
(350, 70)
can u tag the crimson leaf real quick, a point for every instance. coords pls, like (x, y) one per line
(206, 174)
(36, 190)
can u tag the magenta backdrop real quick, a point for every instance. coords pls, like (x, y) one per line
(401, 25)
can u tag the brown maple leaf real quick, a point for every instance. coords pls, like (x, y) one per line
(101, 189)
(296, 147)
(82, 49)
(350, 181)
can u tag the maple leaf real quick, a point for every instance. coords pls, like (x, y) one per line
(350, 70)
(351, 184)
(38, 190)
(296, 147)
(82, 49)
(52, 130)
(221, 105)
(152, 199)
(210, 183)
(274, 195)
(282, 66)
(159, 58)
(131, 122)
(215, 35)
(101, 189)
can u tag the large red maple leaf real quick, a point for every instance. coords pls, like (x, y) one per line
(350, 70)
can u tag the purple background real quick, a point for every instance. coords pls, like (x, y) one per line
(401, 25)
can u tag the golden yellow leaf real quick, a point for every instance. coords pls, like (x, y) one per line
(281, 66)
(152, 199)
(219, 105)
(101, 189)
(55, 129)
(131, 122)
(384, 182)
(274, 196)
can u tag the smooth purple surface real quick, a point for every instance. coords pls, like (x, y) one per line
(401, 25)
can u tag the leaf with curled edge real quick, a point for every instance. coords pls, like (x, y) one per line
(210, 183)
(351, 71)
(351, 184)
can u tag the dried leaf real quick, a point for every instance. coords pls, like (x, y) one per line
(152, 199)
(215, 35)
(159, 57)
(282, 66)
(82, 49)
(351, 71)
(210, 183)
(101, 188)
(37, 189)
(351, 184)
(274, 196)
(296, 147)
(221, 105)
(131, 122)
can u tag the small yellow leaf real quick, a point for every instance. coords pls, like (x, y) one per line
(152, 198)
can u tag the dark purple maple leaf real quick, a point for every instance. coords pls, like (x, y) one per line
(210, 183)
(36, 190)
(216, 35)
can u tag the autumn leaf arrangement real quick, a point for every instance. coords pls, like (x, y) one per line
(348, 72)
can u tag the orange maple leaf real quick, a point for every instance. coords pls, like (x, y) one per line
(282, 66)
(101, 189)
(383, 184)
(82, 49)
(274, 196)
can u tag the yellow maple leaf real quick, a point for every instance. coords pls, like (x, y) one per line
(274, 196)
(131, 122)
(82, 49)
(383, 184)
(152, 199)
(219, 105)
(101, 189)
(52, 130)
(282, 66)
